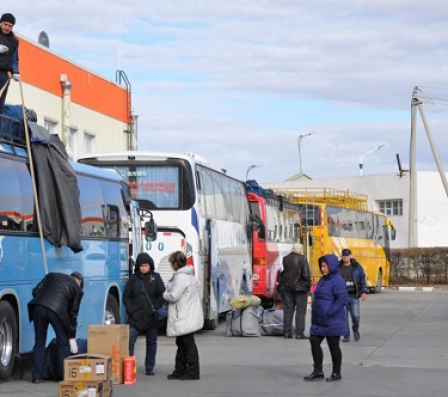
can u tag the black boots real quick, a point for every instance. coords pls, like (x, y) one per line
(316, 374)
(334, 376)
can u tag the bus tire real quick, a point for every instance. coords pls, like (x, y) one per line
(379, 282)
(8, 339)
(112, 313)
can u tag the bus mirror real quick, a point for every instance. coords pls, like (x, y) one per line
(256, 219)
(146, 205)
(310, 240)
(150, 230)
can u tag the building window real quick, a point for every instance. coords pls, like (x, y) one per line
(50, 125)
(89, 143)
(72, 141)
(391, 207)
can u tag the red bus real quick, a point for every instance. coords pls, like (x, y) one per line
(277, 226)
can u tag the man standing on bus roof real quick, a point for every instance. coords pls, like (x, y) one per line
(355, 280)
(296, 283)
(9, 58)
(56, 301)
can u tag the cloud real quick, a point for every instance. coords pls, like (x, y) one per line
(239, 81)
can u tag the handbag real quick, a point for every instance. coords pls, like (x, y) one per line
(161, 312)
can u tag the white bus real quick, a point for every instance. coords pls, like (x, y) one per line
(201, 211)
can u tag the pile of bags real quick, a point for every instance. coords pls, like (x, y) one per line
(249, 318)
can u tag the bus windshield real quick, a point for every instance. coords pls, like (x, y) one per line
(165, 186)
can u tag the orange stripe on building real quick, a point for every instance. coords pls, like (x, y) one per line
(41, 68)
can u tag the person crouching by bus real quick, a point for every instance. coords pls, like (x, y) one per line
(355, 279)
(56, 301)
(296, 283)
(141, 296)
(328, 318)
(185, 317)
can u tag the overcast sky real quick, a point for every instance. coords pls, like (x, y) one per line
(238, 81)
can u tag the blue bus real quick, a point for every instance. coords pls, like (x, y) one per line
(106, 221)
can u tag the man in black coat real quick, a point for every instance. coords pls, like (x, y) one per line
(296, 283)
(56, 301)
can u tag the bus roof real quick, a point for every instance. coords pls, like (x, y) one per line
(98, 172)
(149, 156)
(339, 198)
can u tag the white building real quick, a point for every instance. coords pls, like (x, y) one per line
(389, 193)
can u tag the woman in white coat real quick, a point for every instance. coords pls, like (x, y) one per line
(185, 317)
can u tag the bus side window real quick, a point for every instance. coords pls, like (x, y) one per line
(111, 220)
(261, 232)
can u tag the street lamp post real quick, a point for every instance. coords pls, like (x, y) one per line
(250, 168)
(299, 143)
(365, 154)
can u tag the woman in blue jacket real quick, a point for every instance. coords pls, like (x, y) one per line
(328, 317)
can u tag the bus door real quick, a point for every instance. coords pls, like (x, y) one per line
(311, 218)
(211, 283)
(168, 240)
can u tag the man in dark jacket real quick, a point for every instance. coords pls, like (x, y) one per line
(296, 282)
(56, 301)
(355, 280)
(9, 50)
(142, 295)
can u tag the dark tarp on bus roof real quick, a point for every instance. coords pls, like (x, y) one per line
(58, 194)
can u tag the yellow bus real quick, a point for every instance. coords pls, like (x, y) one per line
(336, 219)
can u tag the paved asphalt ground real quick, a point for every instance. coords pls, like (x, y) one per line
(403, 351)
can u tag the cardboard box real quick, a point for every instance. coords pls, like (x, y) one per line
(80, 388)
(88, 367)
(112, 340)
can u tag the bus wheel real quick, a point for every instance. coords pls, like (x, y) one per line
(379, 282)
(8, 339)
(112, 313)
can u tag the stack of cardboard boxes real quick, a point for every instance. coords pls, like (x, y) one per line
(111, 340)
(87, 375)
(102, 366)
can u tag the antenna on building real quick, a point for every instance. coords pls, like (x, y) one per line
(400, 169)
(43, 39)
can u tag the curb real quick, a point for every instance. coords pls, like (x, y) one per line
(417, 289)
(437, 288)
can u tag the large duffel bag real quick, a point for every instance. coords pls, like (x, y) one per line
(233, 322)
(252, 317)
(244, 322)
(272, 323)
